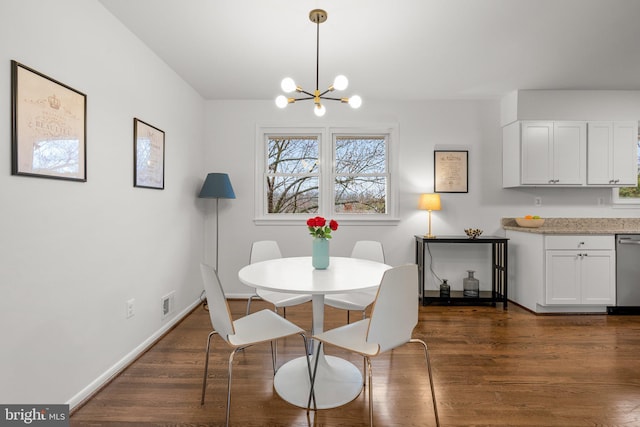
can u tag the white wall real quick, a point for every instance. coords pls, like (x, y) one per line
(571, 105)
(72, 253)
(423, 127)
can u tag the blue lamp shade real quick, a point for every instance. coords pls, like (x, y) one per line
(217, 186)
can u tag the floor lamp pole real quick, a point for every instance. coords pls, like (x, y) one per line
(217, 231)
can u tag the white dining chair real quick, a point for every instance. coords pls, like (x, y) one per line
(393, 317)
(262, 251)
(259, 327)
(358, 301)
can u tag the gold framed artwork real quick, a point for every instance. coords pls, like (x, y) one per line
(451, 171)
(148, 156)
(48, 127)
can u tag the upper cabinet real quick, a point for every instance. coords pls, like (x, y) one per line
(611, 153)
(569, 154)
(544, 154)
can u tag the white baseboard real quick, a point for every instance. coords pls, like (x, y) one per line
(123, 363)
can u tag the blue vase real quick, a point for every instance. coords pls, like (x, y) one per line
(320, 253)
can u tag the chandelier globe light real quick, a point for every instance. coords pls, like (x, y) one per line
(288, 85)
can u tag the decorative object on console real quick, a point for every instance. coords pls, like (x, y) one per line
(445, 289)
(473, 232)
(470, 285)
(217, 186)
(317, 16)
(429, 202)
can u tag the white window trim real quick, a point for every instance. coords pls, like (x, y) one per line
(618, 202)
(326, 175)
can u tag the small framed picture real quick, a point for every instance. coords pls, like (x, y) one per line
(148, 156)
(48, 127)
(450, 170)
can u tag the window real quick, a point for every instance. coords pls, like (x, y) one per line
(629, 195)
(292, 178)
(360, 175)
(341, 173)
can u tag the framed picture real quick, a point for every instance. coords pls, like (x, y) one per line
(48, 127)
(148, 156)
(450, 170)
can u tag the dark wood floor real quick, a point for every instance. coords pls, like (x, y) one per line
(491, 368)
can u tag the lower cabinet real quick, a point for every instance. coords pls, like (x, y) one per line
(580, 277)
(552, 273)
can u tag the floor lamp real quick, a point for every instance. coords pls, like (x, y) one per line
(429, 202)
(217, 186)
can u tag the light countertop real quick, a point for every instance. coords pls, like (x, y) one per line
(579, 226)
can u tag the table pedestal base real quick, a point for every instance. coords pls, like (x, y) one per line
(338, 382)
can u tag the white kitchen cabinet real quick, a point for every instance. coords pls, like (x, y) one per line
(611, 154)
(580, 270)
(544, 153)
(548, 275)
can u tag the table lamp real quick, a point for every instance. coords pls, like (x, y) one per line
(429, 202)
(217, 186)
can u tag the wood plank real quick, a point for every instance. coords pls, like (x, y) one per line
(491, 368)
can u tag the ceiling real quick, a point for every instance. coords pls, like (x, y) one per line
(398, 50)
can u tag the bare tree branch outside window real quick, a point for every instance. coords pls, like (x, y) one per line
(360, 174)
(292, 174)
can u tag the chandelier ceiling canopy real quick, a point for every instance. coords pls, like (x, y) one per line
(288, 85)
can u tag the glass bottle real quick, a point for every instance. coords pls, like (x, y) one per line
(445, 289)
(470, 285)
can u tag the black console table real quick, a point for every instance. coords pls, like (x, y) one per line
(498, 291)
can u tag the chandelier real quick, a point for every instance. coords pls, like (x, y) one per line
(317, 16)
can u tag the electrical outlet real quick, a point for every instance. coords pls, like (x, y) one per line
(600, 201)
(537, 201)
(167, 304)
(130, 308)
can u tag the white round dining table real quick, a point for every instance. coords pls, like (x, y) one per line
(338, 381)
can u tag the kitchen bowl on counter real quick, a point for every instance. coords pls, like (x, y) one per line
(530, 222)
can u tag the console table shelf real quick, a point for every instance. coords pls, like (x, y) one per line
(498, 291)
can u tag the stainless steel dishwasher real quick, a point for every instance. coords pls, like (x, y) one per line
(627, 275)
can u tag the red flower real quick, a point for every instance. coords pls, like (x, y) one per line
(318, 227)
